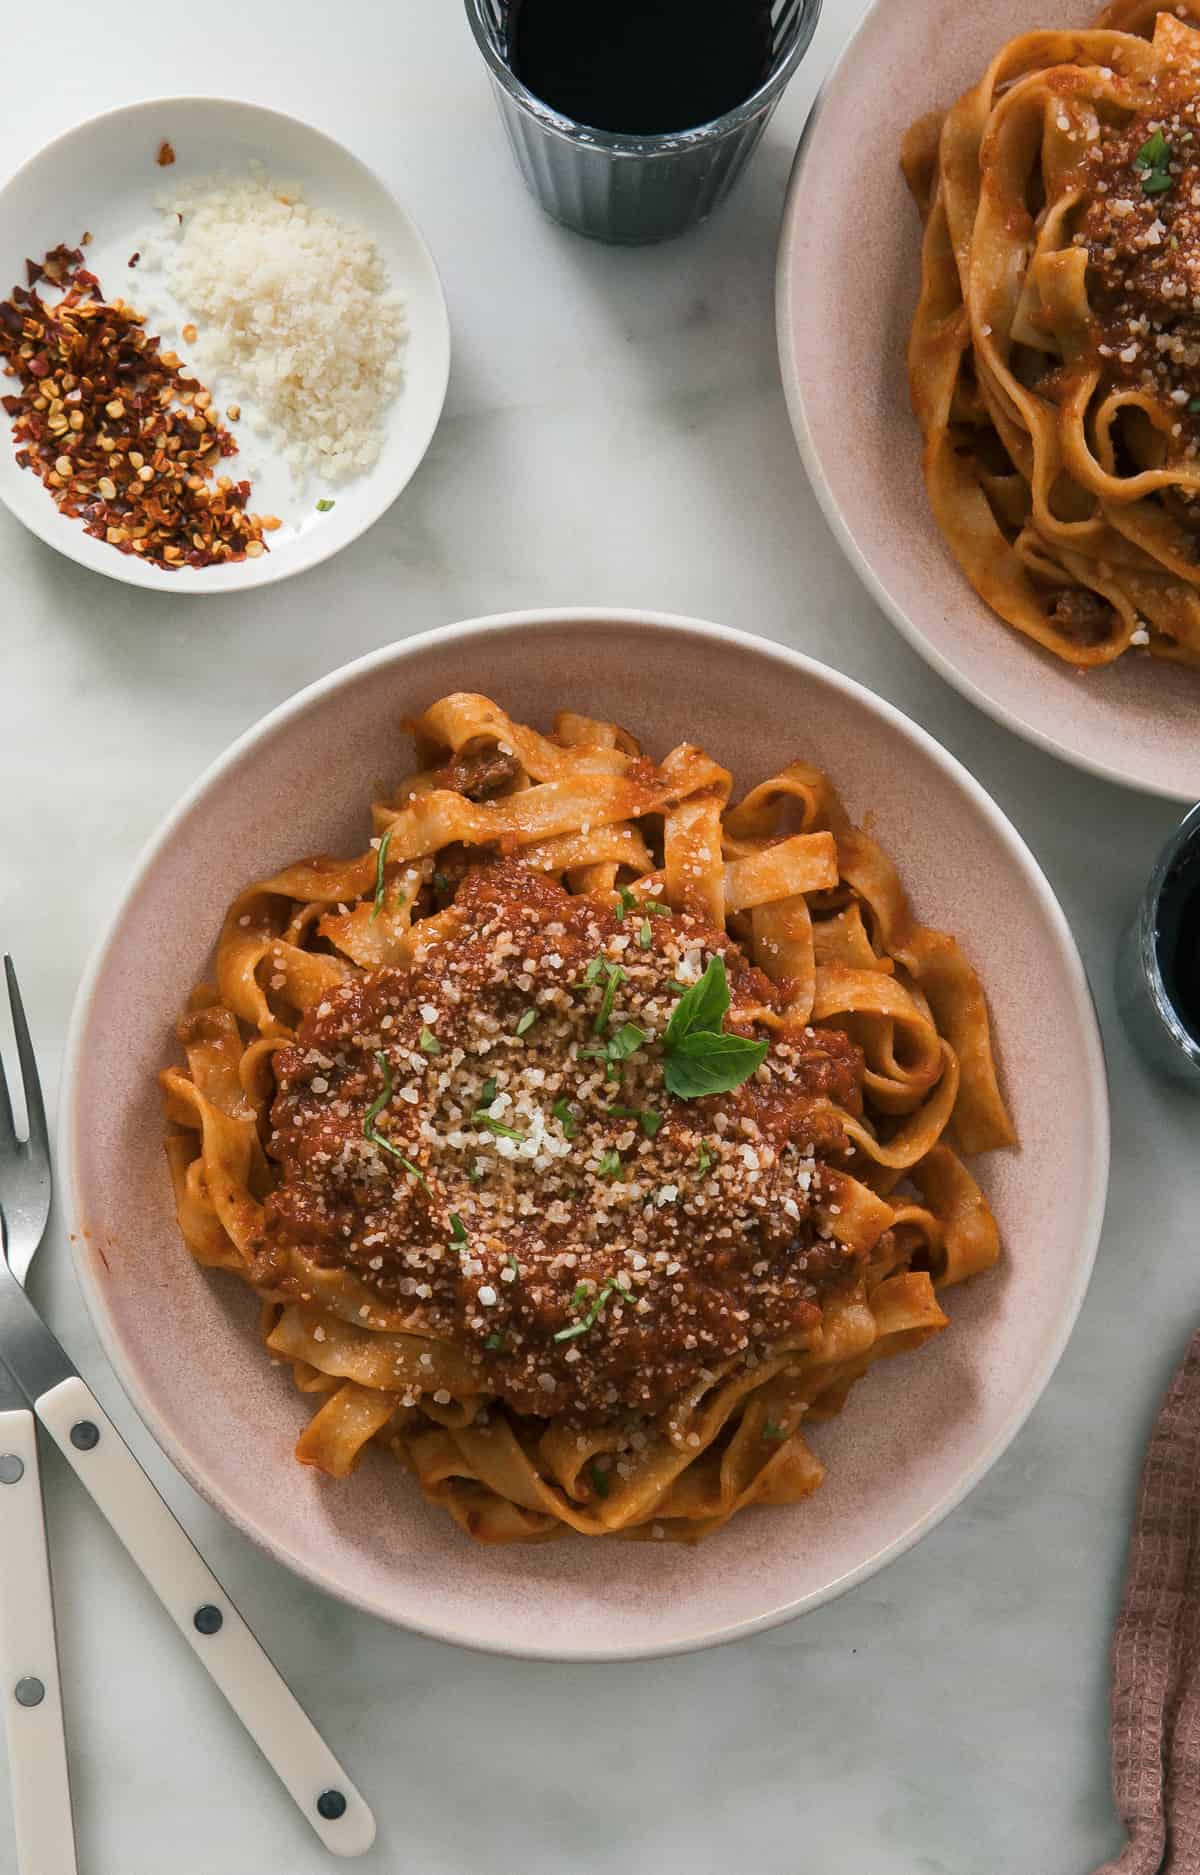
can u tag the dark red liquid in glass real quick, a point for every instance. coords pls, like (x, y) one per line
(642, 67)
(1178, 937)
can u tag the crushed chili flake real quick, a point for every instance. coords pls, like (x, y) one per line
(139, 440)
(166, 155)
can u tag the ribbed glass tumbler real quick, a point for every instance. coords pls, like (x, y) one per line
(1147, 985)
(633, 188)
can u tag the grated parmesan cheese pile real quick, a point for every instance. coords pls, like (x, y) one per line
(293, 314)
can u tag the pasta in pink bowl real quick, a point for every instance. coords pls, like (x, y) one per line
(582, 1123)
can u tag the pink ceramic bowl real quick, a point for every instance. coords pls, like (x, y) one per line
(849, 264)
(920, 1431)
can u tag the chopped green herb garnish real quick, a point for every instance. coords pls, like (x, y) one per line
(592, 973)
(1193, 406)
(496, 1126)
(443, 886)
(527, 1021)
(611, 1165)
(372, 1114)
(324, 505)
(601, 1482)
(566, 1119)
(627, 1040)
(488, 1091)
(772, 1431)
(703, 1159)
(603, 1015)
(458, 1230)
(429, 1042)
(1154, 152)
(606, 1289)
(494, 1344)
(1153, 159)
(645, 935)
(510, 1262)
(380, 863)
(647, 1119)
(477, 1174)
(627, 901)
(680, 989)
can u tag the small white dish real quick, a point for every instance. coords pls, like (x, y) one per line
(103, 177)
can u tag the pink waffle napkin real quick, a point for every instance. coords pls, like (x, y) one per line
(1156, 1650)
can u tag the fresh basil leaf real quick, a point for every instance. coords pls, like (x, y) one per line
(703, 1063)
(703, 1006)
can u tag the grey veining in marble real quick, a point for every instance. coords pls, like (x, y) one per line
(615, 433)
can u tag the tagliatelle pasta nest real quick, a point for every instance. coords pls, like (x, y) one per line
(588, 1133)
(1054, 360)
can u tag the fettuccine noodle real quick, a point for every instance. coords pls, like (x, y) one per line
(586, 1134)
(1054, 360)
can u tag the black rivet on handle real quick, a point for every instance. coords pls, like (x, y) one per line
(331, 1804)
(30, 1692)
(207, 1620)
(84, 1435)
(12, 1468)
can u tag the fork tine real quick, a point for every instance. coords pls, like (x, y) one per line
(39, 1138)
(8, 1129)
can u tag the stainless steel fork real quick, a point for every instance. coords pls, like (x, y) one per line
(158, 1544)
(37, 1751)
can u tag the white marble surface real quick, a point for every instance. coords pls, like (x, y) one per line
(615, 433)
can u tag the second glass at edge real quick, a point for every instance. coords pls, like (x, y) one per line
(628, 189)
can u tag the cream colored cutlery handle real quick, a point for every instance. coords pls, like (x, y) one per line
(37, 1750)
(206, 1617)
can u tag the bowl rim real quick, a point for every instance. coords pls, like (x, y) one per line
(789, 370)
(396, 654)
(122, 569)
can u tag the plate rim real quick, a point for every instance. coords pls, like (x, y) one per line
(1082, 1009)
(789, 371)
(274, 572)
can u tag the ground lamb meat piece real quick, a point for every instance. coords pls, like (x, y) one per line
(1084, 615)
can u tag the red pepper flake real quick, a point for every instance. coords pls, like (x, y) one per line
(134, 258)
(124, 441)
(166, 155)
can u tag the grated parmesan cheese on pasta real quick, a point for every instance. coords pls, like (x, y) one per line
(293, 312)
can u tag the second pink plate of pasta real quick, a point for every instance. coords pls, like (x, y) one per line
(1087, 573)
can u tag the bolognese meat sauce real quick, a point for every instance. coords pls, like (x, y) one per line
(486, 1141)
